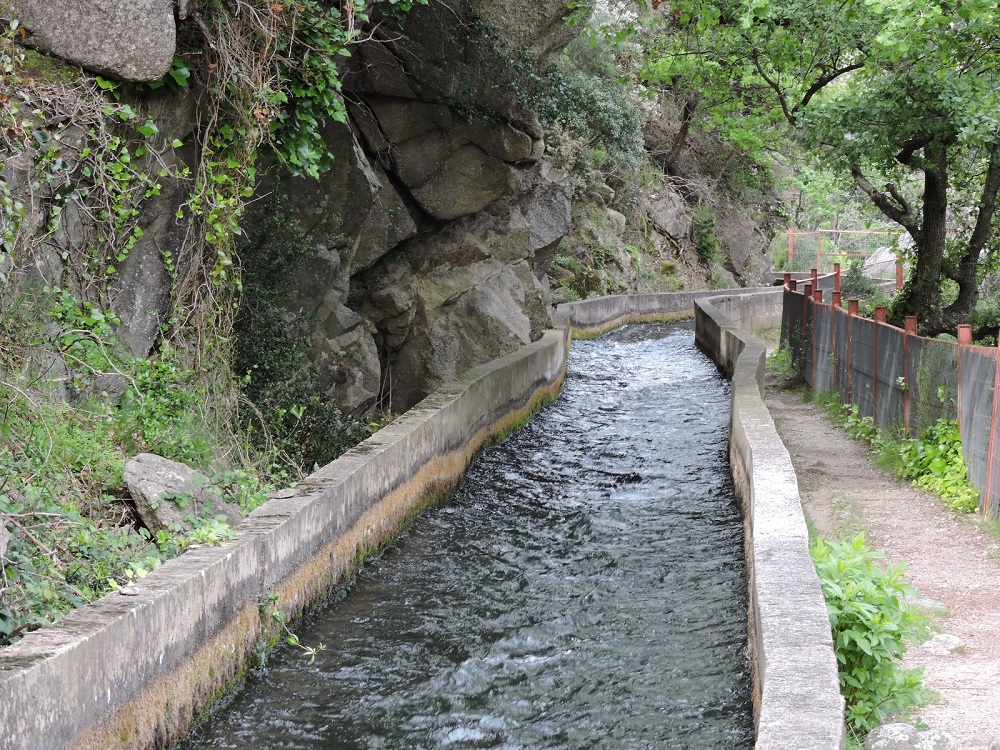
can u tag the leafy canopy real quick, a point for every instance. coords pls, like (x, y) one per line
(899, 94)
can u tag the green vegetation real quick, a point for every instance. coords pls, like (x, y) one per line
(781, 360)
(898, 96)
(62, 456)
(585, 96)
(293, 420)
(855, 285)
(871, 625)
(75, 401)
(271, 613)
(932, 461)
(703, 231)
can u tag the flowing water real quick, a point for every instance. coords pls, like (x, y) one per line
(584, 588)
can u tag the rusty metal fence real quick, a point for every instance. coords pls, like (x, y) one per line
(905, 382)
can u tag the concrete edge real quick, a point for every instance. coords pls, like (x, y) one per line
(797, 700)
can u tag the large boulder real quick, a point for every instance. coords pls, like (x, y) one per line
(669, 213)
(166, 493)
(450, 167)
(471, 292)
(466, 182)
(337, 342)
(132, 40)
(496, 316)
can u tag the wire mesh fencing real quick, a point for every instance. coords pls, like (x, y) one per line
(800, 251)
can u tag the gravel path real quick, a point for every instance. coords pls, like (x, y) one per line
(949, 559)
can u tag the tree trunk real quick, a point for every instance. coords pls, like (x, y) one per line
(967, 275)
(668, 161)
(922, 294)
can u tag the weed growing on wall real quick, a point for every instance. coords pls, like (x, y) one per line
(82, 152)
(781, 360)
(872, 627)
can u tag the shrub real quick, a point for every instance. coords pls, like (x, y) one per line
(703, 235)
(871, 626)
(934, 462)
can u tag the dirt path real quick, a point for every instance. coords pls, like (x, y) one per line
(948, 559)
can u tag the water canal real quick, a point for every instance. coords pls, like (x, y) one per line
(584, 588)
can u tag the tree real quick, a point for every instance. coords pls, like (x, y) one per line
(901, 95)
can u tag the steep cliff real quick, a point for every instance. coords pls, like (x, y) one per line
(426, 209)
(438, 166)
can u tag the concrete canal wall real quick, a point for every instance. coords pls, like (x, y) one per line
(135, 669)
(797, 701)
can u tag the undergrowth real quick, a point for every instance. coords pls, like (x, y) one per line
(75, 403)
(933, 461)
(74, 407)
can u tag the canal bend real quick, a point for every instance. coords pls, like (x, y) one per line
(584, 588)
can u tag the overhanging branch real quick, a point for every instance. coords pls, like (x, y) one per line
(898, 212)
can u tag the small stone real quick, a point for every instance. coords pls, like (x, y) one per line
(898, 736)
(128, 591)
(943, 644)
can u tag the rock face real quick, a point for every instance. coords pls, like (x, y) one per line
(435, 229)
(429, 238)
(472, 292)
(132, 40)
(535, 24)
(160, 487)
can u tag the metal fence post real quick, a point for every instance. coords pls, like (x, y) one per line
(964, 341)
(909, 331)
(880, 317)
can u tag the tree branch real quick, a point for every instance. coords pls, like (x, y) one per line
(789, 115)
(899, 198)
(965, 271)
(987, 203)
(907, 154)
(822, 82)
(885, 203)
(687, 117)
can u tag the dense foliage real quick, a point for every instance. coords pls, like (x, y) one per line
(900, 96)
